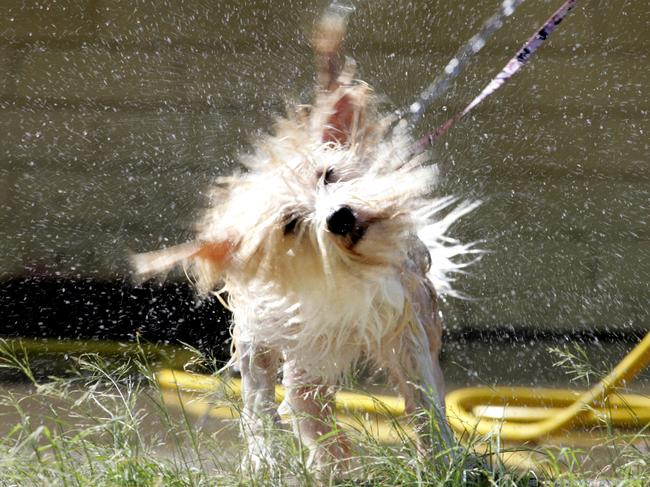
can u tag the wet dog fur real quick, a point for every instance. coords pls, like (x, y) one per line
(331, 251)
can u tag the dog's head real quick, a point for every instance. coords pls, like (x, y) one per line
(327, 194)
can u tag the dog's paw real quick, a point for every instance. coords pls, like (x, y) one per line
(260, 458)
(258, 463)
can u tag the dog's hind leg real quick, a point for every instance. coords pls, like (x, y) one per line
(412, 360)
(311, 408)
(259, 369)
(418, 376)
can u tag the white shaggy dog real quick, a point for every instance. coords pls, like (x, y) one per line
(330, 253)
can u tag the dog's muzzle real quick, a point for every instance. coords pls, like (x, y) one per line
(342, 222)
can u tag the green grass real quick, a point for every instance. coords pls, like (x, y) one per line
(105, 424)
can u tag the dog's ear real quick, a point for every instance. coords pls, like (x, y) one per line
(347, 117)
(216, 254)
(339, 124)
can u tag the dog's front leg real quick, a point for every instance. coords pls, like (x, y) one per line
(259, 368)
(311, 408)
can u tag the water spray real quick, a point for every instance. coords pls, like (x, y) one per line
(514, 65)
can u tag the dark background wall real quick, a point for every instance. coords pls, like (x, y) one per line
(115, 116)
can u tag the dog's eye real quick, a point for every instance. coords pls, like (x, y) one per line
(290, 226)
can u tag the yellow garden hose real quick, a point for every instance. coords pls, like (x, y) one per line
(568, 408)
(344, 401)
(515, 413)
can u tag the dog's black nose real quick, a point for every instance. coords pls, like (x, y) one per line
(342, 221)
